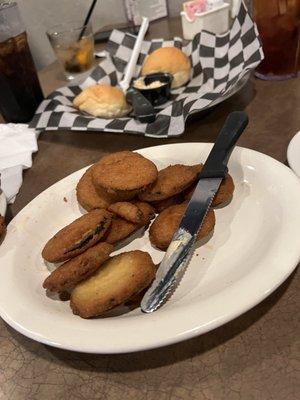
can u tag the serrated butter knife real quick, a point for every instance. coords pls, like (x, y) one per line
(210, 178)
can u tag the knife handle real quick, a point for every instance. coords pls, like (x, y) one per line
(143, 109)
(216, 163)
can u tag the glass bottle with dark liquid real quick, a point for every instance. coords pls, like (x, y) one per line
(20, 91)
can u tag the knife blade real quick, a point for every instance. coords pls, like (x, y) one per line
(210, 178)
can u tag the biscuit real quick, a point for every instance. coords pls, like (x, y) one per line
(223, 195)
(88, 197)
(120, 228)
(171, 60)
(171, 181)
(67, 275)
(78, 236)
(104, 101)
(118, 279)
(128, 211)
(165, 225)
(125, 173)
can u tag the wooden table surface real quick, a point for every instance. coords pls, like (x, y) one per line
(256, 356)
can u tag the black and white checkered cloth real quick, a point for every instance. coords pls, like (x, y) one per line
(218, 63)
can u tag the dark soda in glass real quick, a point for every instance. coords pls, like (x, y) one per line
(20, 91)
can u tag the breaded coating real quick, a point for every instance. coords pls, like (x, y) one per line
(66, 276)
(136, 299)
(126, 210)
(118, 279)
(86, 193)
(165, 225)
(223, 195)
(121, 229)
(115, 157)
(88, 197)
(124, 172)
(78, 236)
(110, 197)
(148, 212)
(2, 226)
(170, 201)
(171, 181)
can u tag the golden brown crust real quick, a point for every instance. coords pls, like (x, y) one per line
(120, 228)
(225, 192)
(119, 278)
(2, 226)
(171, 60)
(111, 197)
(171, 181)
(125, 171)
(126, 210)
(104, 101)
(165, 225)
(147, 210)
(223, 195)
(78, 268)
(166, 203)
(136, 299)
(87, 195)
(78, 236)
(115, 157)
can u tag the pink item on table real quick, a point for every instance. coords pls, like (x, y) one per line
(194, 7)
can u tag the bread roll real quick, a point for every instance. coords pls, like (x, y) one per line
(171, 60)
(103, 101)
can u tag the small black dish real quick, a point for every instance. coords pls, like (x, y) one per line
(142, 108)
(158, 95)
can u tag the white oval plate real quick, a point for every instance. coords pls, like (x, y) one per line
(3, 204)
(254, 248)
(293, 154)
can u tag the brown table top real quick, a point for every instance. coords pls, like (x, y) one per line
(255, 356)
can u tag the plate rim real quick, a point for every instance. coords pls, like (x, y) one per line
(295, 138)
(184, 335)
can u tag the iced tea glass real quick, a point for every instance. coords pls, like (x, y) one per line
(20, 90)
(278, 22)
(74, 47)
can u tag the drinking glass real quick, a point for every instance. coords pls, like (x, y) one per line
(278, 22)
(74, 47)
(20, 91)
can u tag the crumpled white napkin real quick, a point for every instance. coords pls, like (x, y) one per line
(17, 143)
